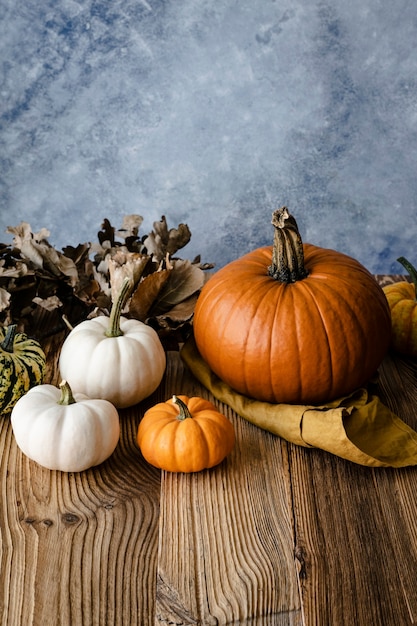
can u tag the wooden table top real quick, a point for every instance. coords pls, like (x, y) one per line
(276, 535)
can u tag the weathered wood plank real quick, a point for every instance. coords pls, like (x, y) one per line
(397, 489)
(226, 535)
(274, 536)
(78, 548)
(356, 528)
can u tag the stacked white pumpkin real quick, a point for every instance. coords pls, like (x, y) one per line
(105, 364)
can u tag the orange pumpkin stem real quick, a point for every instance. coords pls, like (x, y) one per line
(287, 253)
(184, 410)
(411, 270)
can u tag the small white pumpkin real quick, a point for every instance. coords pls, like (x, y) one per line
(65, 431)
(118, 359)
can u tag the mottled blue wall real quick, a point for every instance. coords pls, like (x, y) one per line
(213, 113)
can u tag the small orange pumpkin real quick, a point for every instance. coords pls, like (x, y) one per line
(402, 301)
(293, 323)
(185, 435)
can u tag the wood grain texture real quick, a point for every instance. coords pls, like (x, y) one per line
(226, 553)
(78, 548)
(276, 535)
(356, 527)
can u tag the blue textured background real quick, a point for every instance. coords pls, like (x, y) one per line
(213, 114)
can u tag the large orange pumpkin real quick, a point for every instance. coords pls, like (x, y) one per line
(293, 323)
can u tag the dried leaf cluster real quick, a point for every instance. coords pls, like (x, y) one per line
(81, 282)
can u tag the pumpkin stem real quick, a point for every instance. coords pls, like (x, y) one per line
(8, 342)
(66, 394)
(184, 410)
(287, 253)
(67, 322)
(114, 329)
(411, 270)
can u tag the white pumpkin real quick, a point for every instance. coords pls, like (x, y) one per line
(65, 431)
(118, 359)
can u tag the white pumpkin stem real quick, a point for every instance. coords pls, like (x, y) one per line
(411, 270)
(8, 342)
(67, 322)
(184, 410)
(114, 329)
(287, 253)
(66, 394)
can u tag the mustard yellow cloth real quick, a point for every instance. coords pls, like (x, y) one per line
(359, 428)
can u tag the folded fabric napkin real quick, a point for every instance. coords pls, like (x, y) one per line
(359, 428)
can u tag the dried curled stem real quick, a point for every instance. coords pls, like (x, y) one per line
(287, 254)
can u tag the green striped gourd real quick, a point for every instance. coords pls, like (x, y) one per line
(22, 366)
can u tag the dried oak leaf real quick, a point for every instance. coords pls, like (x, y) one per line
(17, 271)
(122, 264)
(36, 248)
(107, 233)
(162, 241)
(180, 314)
(87, 288)
(82, 279)
(128, 232)
(159, 293)
(175, 326)
(28, 243)
(79, 254)
(4, 299)
(185, 280)
(130, 226)
(146, 293)
(49, 304)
